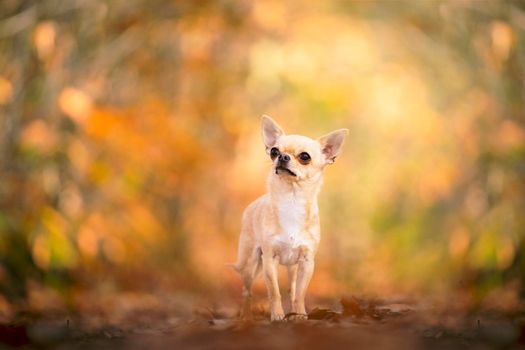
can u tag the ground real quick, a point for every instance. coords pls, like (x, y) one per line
(136, 321)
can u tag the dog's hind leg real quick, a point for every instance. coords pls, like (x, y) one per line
(248, 275)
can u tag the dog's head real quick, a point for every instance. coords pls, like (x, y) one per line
(296, 157)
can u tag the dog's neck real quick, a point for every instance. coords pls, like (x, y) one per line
(299, 194)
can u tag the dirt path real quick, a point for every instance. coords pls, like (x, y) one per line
(356, 324)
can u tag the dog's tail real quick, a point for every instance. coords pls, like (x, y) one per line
(234, 266)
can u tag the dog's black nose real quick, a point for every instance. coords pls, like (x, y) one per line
(284, 158)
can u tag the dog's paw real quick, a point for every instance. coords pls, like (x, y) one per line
(293, 317)
(277, 317)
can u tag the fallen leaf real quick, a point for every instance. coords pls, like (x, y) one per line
(323, 314)
(351, 307)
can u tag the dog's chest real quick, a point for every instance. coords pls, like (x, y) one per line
(292, 216)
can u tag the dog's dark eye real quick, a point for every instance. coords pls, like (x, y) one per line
(304, 157)
(274, 152)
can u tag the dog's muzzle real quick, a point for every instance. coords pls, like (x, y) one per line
(281, 168)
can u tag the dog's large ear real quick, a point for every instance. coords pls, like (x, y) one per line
(332, 143)
(271, 131)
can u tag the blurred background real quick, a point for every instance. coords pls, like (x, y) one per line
(130, 144)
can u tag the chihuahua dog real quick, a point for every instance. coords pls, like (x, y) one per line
(282, 226)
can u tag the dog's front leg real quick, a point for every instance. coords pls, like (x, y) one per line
(292, 284)
(305, 270)
(272, 284)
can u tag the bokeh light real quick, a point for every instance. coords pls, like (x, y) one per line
(131, 144)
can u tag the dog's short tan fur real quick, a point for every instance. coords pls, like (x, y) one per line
(282, 226)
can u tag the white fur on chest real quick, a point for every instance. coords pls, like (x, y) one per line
(292, 215)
